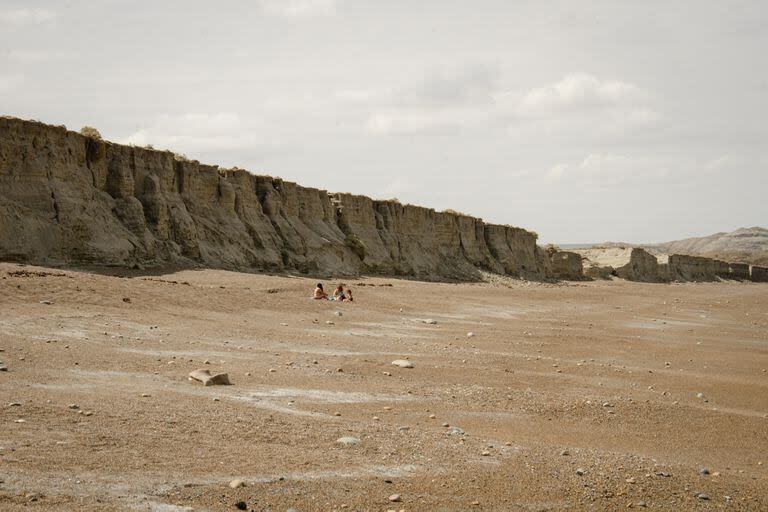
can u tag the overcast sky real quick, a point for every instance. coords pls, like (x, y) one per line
(584, 121)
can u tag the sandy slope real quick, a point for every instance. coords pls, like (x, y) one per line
(601, 377)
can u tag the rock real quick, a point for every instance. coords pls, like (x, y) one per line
(394, 498)
(348, 441)
(145, 395)
(403, 363)
(20, 420)
(3, 368)
(429, 321)
(470, 335)
(73, 406)
(127, 300)
(485, 453)
(14, 404)
(581, 472)
(329, 322)
(241, 505)
(446, 425)
(236, 483)
(338, 313)
(704, 471)
(702, 496)
(207, 379)
(456, 431)
(47, 302)
(564, 453)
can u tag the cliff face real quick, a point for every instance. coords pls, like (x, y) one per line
(69, 199)
(642, 266)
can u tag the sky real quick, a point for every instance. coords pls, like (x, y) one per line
(583, 121)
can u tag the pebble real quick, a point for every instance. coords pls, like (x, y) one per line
(395, 498)
(145, 395)
(236, 483)
(704, 471)
(338, 313)
(88, 413)
(470, 335)
(329, 322)
(430, 321)
(702, 496)
(485, 453)
(20, 421)
(241, 505)
(403, 363)
(564, 453)
(348, 441)
(456, 431)
(73, 406)
(14, 404)
(580, 472)
(431, 416)
(47, 302)
(446, 425)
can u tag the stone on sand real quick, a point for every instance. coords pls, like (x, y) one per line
(236, 483)
(207, 379)
(348, 441)
(403, 363)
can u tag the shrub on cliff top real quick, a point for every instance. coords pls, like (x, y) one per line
(91, 132)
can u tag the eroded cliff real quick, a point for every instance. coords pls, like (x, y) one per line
(69, 199)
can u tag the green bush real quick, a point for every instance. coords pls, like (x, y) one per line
(91, 132)
(357, 245)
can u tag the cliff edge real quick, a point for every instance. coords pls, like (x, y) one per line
(68, 199)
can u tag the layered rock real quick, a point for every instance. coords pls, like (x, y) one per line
(759, 274)
(642, 266)
(69, 199)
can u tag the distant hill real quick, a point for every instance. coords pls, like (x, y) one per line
(748, 245)
(745, 245)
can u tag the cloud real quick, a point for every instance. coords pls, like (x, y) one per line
(195, 133)
(36, 56)
(298, 8)
(412, 121)
(609, 169)
(26, 16)
(10, 82)
(578, 91)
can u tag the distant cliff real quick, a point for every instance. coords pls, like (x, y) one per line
(68, 199)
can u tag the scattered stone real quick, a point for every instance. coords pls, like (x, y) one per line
(630, 480)
(387, 374)
(429, 321)
(404, 428)
(145, 395)
(88, 413)
(47, 302)
(241, 505)
(704, 471)
(127, 300)
(338, 313)
(485, 453)
(207, 379)
(702, 496)
(402, 363)
(564, 453)
(14, 404)
(236, 483)
(432, 416)
(394, 498)
(580, 472)
(470, 335)
(641, 504)
(348, 441)
(3, 368)
(73, 406)
(329, 322)
(663, 474)
(456, 431)
(20, 421)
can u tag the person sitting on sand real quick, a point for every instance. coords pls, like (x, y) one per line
(319, 293)
(338, 293)
(348, 293)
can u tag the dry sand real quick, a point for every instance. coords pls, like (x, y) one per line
(573, 396)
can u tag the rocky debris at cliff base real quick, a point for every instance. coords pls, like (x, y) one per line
(205, 376)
